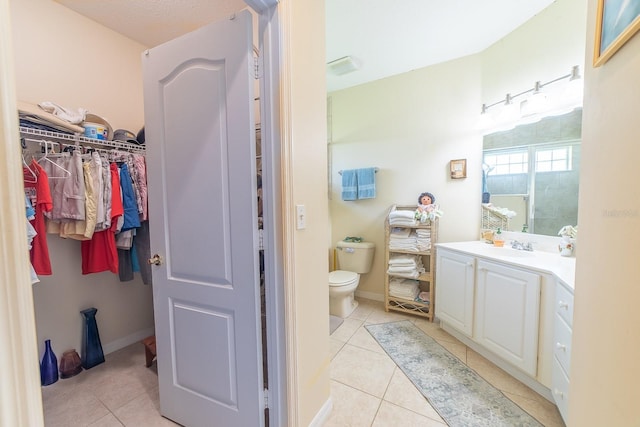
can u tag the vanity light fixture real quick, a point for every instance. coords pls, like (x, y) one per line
(537, 104)
(510, 110)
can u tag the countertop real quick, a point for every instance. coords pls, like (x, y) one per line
(563, 268)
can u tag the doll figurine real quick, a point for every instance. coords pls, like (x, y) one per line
(426, 210)
(424, 200)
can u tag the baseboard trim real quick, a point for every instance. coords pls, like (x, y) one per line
(323, 414)
(127, 341)
(370, 295)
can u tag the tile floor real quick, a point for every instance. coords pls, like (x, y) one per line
(119, 392)
(367, 388)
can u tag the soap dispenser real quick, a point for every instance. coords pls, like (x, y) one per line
(497, 239)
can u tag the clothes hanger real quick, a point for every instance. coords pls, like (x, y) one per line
(66, 173)
(34, 178)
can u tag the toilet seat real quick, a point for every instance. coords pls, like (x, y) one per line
(342, 278)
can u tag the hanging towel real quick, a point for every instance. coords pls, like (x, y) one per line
(349, 185)
(366, 179)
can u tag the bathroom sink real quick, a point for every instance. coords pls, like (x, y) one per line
(508, 252)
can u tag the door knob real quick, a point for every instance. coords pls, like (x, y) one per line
(155, 260)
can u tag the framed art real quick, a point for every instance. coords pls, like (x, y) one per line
(458, 168)
(616, 22)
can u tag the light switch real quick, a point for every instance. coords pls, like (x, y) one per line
(301, 217)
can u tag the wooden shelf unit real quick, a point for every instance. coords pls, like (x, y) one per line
(426, 280)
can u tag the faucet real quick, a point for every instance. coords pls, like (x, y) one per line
(522, 246)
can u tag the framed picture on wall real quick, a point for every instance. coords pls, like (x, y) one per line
(458, 168)
(616, 22)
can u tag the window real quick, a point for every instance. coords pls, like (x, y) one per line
(553, 159)
(507, 162)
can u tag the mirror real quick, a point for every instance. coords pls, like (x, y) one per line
(533, 171)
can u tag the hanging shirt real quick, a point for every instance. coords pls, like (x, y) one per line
(140, 183)
(100, 253)
(66, 182)
(131, 216)
(135, 180)
(98, 187)
(40, 197)
(80, 229)
(31, 213)
(31, 233)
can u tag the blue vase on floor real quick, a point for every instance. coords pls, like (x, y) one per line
(48, 365)
(92, 354)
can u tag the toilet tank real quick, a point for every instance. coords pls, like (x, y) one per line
(356, 257)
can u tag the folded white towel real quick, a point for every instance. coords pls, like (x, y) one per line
(403, 288)
(402, 217)
(403, 260)
(396, 233)
(401, 214)
(401, 269)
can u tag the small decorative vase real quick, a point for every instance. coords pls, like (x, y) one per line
(486, 197)
(70, 364)
(566, 246)
(92, 354)
(49, 365)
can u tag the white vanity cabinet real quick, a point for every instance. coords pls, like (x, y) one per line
(514, 308)
(562, 347)
(456, 291)
(507, 313)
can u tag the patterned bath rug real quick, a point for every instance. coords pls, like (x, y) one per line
(461, 396)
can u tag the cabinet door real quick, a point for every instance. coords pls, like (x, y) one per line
(454, 298)
(507, 313)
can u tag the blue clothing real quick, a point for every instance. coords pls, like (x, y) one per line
(131, 216)
(29, 208)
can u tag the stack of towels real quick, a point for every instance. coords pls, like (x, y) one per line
(404, 288)
(423, 239)
(399, 217)
(402, 239)
(408, 266)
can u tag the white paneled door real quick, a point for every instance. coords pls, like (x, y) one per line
(200, 137)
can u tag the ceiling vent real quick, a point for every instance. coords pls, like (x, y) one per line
(342, 66)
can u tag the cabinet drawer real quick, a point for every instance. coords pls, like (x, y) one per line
(562, 343)
(564, 304)
(560, 389)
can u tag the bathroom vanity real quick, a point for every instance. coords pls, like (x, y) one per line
(508, 305)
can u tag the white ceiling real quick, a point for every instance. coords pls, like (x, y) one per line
(384, 37)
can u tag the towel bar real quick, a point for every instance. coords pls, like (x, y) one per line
(375, 169)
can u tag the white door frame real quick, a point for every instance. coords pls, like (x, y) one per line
(277, 220)
(20, 395)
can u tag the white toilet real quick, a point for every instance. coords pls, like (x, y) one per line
(353, 259)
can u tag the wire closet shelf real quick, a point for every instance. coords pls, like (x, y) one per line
(77, 139)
